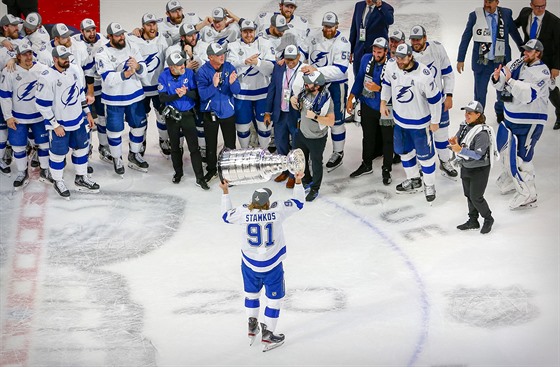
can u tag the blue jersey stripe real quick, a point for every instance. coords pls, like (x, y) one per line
(124, 97)
(411, 121)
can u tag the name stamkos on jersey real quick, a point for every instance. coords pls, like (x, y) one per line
(260, 217)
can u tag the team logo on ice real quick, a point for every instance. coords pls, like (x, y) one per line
(24, 91)
(70, 95)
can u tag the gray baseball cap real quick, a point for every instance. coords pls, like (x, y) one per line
(32, 21)
(279, 22)
(473, 106)
(187, 29)
(314, 78)
(61, 51)
(216, 49)
(149, 17)
(417, 32)
(247, 24)
(9, 19)
(175, 59)
(115, 29)
(291, 52)
(330, 19)
(87, 23)
(397, 35)
(533, 44)
(381, 43)
(261, 196)
(403, 50)
(23, 48)
(173, 5)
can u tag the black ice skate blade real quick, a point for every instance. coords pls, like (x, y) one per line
(534, 204)
(444, 174)
(86, 190)
(23, 186)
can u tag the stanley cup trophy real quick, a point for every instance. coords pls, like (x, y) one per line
(254, 165)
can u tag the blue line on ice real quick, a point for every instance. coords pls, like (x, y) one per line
(417, 278)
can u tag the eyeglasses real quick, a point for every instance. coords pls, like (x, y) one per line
(539, 6)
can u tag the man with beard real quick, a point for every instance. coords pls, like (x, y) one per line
(317, 112)
(34, 31)
(177, 90)
(175, 18)
(61, 36)
(396, 38)
(152, 46)
(367, 88)
(253, 59)
(296, 25)
(524, 85)
(93, 41)
(193, 49)
(329, 52)
(433, 55)
(217, 83)
(223, 29)
(121, 67)
(275, 31)
(61, 101)
(416, 105)
(18, 104)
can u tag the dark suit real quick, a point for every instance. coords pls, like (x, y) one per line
(482, 73)
(549, 36)
(285, 123)
(19, 7)
(377, 26)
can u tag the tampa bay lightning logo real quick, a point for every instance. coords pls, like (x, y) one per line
(153, 62)
(25, 91)
(70, 95)
(251, 71)
(319, 58)
(433, 69)
(222, 40)
(405, 95)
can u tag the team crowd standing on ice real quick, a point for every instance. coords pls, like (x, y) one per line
(276, 83)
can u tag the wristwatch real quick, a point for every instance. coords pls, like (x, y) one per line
(316, 117)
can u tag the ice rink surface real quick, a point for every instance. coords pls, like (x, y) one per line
(145, 273)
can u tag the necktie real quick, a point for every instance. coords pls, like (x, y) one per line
(285, 106)
(370, 8)
(494, 27)
(534, 28)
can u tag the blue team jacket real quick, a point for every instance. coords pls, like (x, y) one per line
(168, 83)
(218, 100)
(358, 86)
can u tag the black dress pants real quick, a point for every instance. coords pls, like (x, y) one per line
(375, 134)
(185, 127)
(229, 135)
(312, 149)
(474, 184)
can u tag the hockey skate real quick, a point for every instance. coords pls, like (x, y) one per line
(84, 184)
(335, 161)
(165, 148)
(21, 180)
(8, 154)
(5, 168)
(430, 192)
(105, 154)
(505, 183)
(447, 170)
(61, 189)
(409, 186)
(118, 166)
(521, 201)
(269, 340)
(34, 158)
(137, 162)
(254, 330)
(45, 176)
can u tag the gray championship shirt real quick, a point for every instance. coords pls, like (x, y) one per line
(311, 129)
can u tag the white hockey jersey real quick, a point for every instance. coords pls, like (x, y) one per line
(17, 92)
(415, 95)
(6, 55)
(529, 86)
(231, 33)
(90, 69)
(254, 79)
(79, 55)
(330, 56)
(171, 29)
(38, 38)
(111, 65)
(436, 59)
(263, 245)
(60, 97)
(199, 52)
(299, 26)
(153, 54)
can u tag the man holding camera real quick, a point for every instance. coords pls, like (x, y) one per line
(217, 83)
(177, 90)
(524, 86)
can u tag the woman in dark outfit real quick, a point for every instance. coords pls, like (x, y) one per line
(177, 90)
(475, 150)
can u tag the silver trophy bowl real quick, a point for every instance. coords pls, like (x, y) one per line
(254, 165)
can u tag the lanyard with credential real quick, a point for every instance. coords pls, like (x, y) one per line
(293, 74)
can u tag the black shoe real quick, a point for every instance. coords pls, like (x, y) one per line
(201, 182)
(209, 176)
(364, 169)
(89, 170)
(556, 125)
(312, 195)
(386, 174)
(396, 159)
(176, 178)
(487, 226)
(469, 225)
